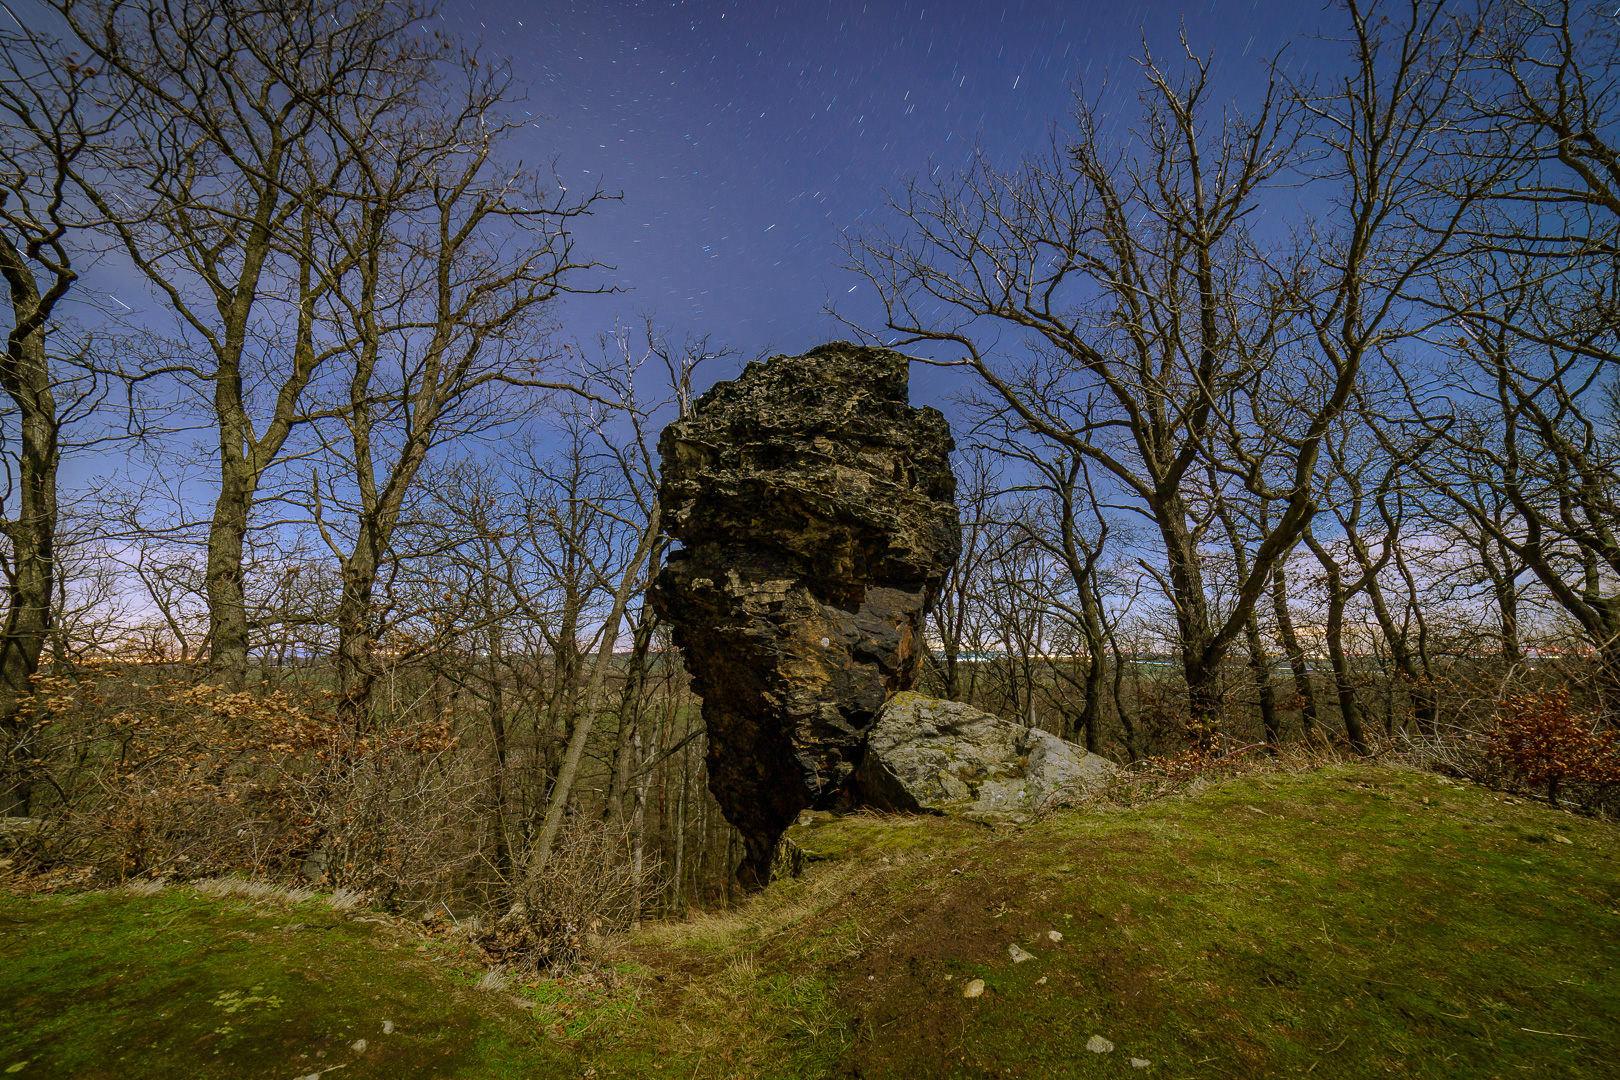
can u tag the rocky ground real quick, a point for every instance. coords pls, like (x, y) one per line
(1352, 921)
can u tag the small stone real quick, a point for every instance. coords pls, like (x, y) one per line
(1018, 955)
(1041, 981)
(1562, 839)
(1099, 1045)
(1054, 935)
(388, 1027)
(1140, 1063)
(973, 989)
(358, 1046)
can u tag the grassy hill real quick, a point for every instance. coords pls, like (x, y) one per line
(1356, 921)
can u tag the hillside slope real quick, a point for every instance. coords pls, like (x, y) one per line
(1357, 921)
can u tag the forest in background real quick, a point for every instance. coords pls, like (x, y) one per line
(1291, 421)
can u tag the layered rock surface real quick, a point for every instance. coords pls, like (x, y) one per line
(924, 754)
(816, 509)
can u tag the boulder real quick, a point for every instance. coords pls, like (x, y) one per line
(18, 833)
(815, 506)
(925, 754)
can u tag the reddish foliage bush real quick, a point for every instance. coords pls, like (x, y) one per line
(168, 777)
(1538, 739)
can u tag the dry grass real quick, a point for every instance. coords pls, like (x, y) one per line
(345, 899)
(249, 889)
(777, 908)
(1192, 771)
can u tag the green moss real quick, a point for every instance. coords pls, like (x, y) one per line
(176, 984)
(872, 837)
(1333, 924)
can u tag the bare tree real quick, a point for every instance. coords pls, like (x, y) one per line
(1533, 313)
(633, 458)
(1131, 268)
(1057, 526)
(270, 153)
(455, 260)
(44, 136)
(959, 595)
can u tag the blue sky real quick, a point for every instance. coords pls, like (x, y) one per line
(748, 137)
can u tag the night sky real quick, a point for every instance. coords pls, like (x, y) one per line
(747, 137)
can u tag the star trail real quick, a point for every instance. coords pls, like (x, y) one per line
(748, 139)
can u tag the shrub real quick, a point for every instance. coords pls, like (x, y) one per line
(1541, 741)
(565, 909)
(159, 776)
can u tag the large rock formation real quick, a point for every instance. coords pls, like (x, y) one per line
(924, 754)
(815, 506)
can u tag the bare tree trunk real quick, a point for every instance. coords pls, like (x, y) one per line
(1261, 666)
(1297, 661)
(564, 786)
(1133, 747)
(26, 376)
(497, 724)
(356, 669)
(1201, 654)
(679, 902)
(1422, 685)
(638, 835)
(1344, 681)
(628, 753)
(227, 595)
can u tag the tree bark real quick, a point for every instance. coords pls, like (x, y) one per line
(564, 786)
(627, 753)
(1344, 681)
(1260, 665)
(1297, 662)
(26, 376)
(1201, 654)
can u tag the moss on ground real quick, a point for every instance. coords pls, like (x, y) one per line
(1347, 923)
(117, 985)
(1357, 921)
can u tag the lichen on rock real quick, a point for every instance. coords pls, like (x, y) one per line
(924, 754)
(815, 506)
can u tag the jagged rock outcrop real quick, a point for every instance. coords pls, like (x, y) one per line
(816, 509)
(924, 754)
